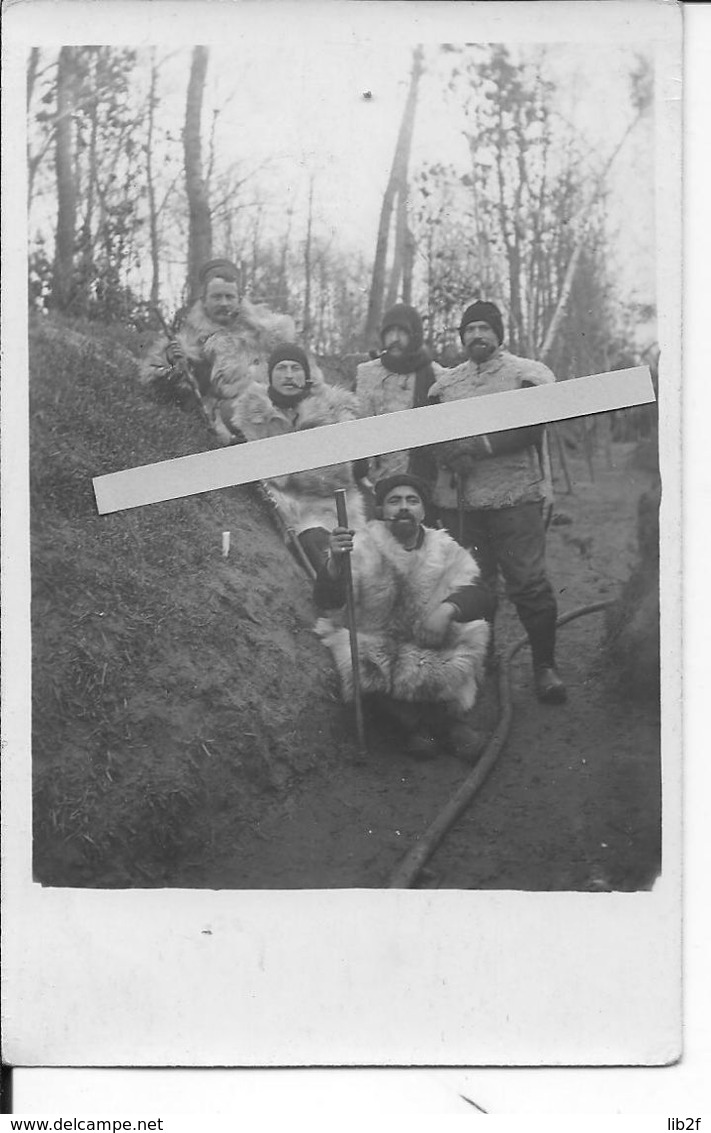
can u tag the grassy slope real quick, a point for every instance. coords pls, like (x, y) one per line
(173, 691)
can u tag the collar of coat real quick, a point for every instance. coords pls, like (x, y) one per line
(491, 363)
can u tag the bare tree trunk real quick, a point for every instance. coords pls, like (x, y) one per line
(396, 181)
(323, 298)
(63, 272)
(430, 280)
(283, 282)
(481, 241)
(200, 224)
(400, 251)
(557, 320)
(92, 191)
(307, 267)
(408, 265)
(508, 240)
(33, 160)
(152, 208)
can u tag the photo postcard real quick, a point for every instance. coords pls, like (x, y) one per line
(341, 493)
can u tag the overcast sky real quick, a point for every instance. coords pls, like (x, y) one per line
(297, 103)
(290, 80)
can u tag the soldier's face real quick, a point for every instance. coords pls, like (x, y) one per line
(221, 301)
(403, 511)
(479, 341)
(288, 377)
(396, 340)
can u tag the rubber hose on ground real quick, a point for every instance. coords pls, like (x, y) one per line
(406, 874)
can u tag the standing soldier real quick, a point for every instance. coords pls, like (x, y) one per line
(398, 379)
(491, 489)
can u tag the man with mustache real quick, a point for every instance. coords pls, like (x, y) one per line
(397, 379)
(296, 398)
(420, 613)
(223, 340)
(490, 490)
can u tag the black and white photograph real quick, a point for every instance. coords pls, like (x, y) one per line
(435, 667)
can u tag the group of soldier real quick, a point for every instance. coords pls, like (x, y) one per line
(429, 529)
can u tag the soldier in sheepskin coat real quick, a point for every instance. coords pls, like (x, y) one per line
(420, 615)
(297, 397)
(224, 341)
(490, 490)
(399, 378)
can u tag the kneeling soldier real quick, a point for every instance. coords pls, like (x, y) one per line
(420, 615)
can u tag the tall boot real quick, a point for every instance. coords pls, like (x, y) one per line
(541, 630)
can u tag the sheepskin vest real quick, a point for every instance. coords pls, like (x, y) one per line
(306, 499)
(498, 481)
(394, 591)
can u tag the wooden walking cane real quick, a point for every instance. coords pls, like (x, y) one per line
(350, 606)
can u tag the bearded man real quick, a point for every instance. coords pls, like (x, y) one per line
(399, 378)
(490, 490)
(223, 341)
(420, 613)
(297, 397)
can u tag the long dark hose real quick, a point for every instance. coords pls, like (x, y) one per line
(406, 874)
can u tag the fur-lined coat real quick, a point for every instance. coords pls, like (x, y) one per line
(306, 499)
(394, 591)
(224, 360)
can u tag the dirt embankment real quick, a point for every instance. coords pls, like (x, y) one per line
(175, 692)
(186, 723)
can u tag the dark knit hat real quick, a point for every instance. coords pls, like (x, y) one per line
(401, 315)
(400, 479)
(218, 269)
(483, 312)
(288, 352)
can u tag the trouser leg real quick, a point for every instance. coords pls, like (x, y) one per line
(473, 527)
(518, 534)
(476, 537)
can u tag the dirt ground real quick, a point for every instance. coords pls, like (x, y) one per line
(573, 801)
(187, 729)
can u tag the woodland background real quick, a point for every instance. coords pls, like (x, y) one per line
(519, 173)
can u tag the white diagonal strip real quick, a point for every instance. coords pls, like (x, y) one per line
(351, 440)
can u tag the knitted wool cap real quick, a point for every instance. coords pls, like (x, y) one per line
(401, 479)
(483, 312)
(222, 269)
(401, 315)
(288, 352)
